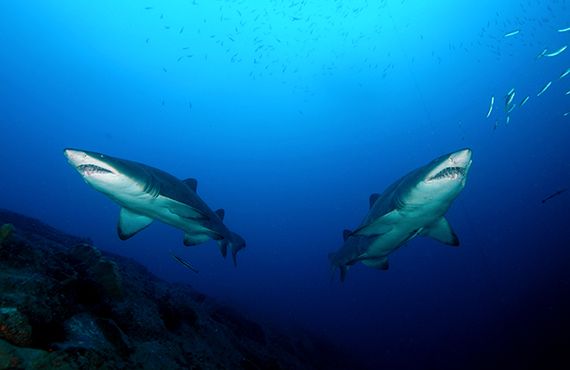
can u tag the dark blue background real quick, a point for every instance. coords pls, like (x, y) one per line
(289, 114)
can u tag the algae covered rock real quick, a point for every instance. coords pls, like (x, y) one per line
(85, 332)
(14, 327)
(106, 273)
(16, 358)
(65, 304)
(12, 357)
(139, 318)
(239, 325)
(5, 231)
(82, 332)
(84, 254)
(89, 262)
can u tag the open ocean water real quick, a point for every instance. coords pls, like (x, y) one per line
(290, 114)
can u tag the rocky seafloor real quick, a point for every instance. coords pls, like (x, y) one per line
(64, 304)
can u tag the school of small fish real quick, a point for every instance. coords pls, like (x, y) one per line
(247, 35)
(510, 105)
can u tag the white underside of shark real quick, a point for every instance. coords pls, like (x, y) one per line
(136, 215)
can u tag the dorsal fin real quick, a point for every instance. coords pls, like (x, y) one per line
(345, 234)
(191, 183)
(373, 198)
(221, 213)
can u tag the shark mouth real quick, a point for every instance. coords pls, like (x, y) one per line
(91, 169)
(451, 173)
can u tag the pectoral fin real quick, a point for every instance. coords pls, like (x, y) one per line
(442, 232)
(131, 223)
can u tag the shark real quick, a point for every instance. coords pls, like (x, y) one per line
(146, 194)
(415, 205)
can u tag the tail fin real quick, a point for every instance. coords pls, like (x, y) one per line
(334, 265)
(235, 242)
(223, 244)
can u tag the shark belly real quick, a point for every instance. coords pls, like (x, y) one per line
(163, 209)
(406, 225)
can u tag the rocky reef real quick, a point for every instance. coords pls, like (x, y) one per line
(65, 304)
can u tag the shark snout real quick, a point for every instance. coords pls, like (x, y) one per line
(453, 166)
(75, 157)
(87, 163)
(461, 158)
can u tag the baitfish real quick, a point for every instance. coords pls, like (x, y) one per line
(555, 194)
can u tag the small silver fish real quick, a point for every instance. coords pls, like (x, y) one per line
(511, 108)
(564, 29)
(491, 106)
(512, 33)
(553, 195)
(509, 98)
(557, 52)
(523, 102)
(544, 88)
(184, 263)
(565, 73)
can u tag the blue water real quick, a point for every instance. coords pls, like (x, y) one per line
(290, 114)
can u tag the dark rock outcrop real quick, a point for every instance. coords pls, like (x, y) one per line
(14, 327)
(64, 304)
(5, 232)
